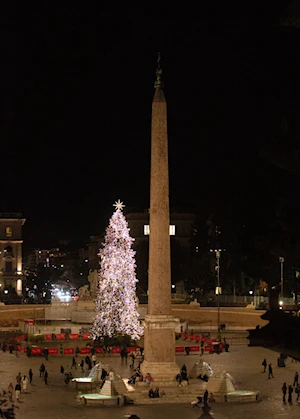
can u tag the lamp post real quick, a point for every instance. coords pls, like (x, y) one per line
(281, 260)
(218, 289)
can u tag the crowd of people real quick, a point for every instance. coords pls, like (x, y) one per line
(23, 381)
(288, 390)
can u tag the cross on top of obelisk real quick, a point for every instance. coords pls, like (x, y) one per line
(119, 205)
(158, 81)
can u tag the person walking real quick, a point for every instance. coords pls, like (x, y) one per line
(62, 370)
(264, 364)
(18, 391)
(10, 392)
(122, 355)
(297, 391)
(19, 378)
(205, 398)
(46, 377)
(73, 363)
(61, 350)
(77, 351)
(284, 390)
(30, 375)
(42, 370)
(94, 359)
(202, 348)
(24, 383)
(82, 365)
(132, 356)
(270, 371)
(290, 391)
(296, 379)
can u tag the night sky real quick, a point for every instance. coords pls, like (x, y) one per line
(77, 86)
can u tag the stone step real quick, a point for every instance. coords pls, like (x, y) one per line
(137, 396)
(164, 399)
(185, 391)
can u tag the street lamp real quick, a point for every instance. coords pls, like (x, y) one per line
(218, 289)
(281, 261)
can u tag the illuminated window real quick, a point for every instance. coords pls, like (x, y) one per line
(8, 232)
(172, 230)
(147, 230)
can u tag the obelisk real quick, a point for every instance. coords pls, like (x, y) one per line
(159, 334)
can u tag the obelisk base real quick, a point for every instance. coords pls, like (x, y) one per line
(163, 373)
(159, 332)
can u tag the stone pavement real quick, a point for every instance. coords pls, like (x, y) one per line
(244, 363)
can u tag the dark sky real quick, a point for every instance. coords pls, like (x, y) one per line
(77, 85)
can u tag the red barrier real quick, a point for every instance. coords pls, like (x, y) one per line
(116, 350)
(48, 336)
(207, 341)
(74, 335)
(29, 321)
(179, 349)
(69, 351)
(194, 348)
(60, 336)
(130, 349)
(85, 350)
(19, 348)
(209, 348)
(86, 336)
(36, 351)
(25, 349)
(53, 351)
(99, 350)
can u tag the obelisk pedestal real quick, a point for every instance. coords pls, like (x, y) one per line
(159, 335)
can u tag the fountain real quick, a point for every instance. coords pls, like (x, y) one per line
(95, 376)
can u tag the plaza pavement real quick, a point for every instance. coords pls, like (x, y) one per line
(56, 400)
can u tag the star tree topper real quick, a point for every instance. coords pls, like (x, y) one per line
(119, 205)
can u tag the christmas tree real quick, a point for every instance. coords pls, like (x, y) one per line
(116, 303)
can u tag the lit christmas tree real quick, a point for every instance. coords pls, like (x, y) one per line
(116, 302)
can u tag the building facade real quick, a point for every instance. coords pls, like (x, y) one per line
(181, 230)
(11, 271)
(181, 226)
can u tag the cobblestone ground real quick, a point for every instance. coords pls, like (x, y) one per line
(56, 400)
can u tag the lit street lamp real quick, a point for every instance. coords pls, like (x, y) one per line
(281, 261)
(218, 288)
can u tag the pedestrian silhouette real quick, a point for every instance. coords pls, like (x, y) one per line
(270, 371)
(284, 390)
(296, 378)
(290, 394)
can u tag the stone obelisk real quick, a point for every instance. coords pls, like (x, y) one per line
(159, 335)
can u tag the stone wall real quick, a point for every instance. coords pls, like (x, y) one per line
(208, 316)
(11, 315)
(195, 316)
